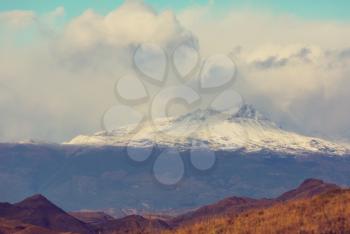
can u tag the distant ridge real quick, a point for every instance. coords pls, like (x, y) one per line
(91, 217)
(134, 224)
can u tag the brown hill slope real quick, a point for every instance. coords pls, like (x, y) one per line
(39, 211)
(17, 227)
(228, 206)
(325, 213)
(236, 205)
(308, 188)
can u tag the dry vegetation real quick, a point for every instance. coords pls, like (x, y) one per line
(17, 227)
(327, 213)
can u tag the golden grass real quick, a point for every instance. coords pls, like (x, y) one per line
(328, 213)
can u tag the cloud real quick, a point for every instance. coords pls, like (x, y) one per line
(61, 82)
(345, 54)
(17, 18)
(251, 28)
(132, 23)
(58, 12)
(271, 62)
(294, 70)
(274, 61)
(303, 90)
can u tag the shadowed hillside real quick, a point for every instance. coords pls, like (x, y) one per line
(39, 211)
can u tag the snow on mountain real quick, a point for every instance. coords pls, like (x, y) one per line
(246, 130)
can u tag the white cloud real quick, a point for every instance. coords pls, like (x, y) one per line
(222, 31)
(17, 18)
(133, 22)
(58, 12)
(301, 87)
(297, 71)
(62, 83)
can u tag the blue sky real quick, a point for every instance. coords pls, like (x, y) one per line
(314, 10)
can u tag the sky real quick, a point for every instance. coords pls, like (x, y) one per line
(59, 60)
(322, 9)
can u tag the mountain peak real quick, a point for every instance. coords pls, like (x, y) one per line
(35, 201)
(249, 112)
(245, 112)
(245, 129)
(311, 182)
(308, 188)
(36, 197)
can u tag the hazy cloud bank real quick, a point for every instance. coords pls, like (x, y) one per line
(57, 81)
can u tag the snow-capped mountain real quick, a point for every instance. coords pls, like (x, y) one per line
(246, 130)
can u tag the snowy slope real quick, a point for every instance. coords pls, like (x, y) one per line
(246, 130)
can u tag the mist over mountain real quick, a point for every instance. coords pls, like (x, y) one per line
(299, 77)
(245, 129)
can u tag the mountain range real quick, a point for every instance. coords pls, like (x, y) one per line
(253, 158)
(37, 215)
(245, 129)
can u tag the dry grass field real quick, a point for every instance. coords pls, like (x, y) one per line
(326, 213)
